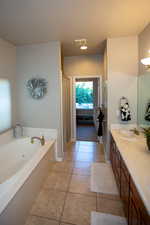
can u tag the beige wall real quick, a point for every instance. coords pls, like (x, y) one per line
(121, 70)
(83, 65)
(122, 60)
(8, 70)
(39, 60)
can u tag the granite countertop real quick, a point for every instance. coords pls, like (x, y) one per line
(137, 159)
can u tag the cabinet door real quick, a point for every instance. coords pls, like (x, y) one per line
(134, 214)
(125, 188)
(115, 160)
(112, 155)
(138, 214)
(112, 152)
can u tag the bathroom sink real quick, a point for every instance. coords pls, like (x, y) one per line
(132, 139)
(127, 135)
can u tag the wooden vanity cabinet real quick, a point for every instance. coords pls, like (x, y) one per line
(115, 159)
(134, 208)
(124, 187)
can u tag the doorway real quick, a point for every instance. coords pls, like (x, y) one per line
(86, 99)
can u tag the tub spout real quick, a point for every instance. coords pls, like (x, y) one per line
(41, 139)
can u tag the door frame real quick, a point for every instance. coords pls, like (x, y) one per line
(73, 100)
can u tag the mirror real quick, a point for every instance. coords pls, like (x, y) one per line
(144, 98)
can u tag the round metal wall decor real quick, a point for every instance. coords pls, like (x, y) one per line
(37, 87)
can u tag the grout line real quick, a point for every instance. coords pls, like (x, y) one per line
(44, 217)
(67, 191)
(83, 194)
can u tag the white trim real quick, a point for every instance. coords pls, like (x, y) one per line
(71, 106)
(61, 112)
(72, 100)
(84, 76)
(74, 108)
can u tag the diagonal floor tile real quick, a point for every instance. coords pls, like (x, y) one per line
(34, 220)
(82, 168)
(72, 146)
(87, 148)
(58, 181)
(81, 184)
(65, 166)
(87, 143)
(98, 157)
(114, 207)
(49, 204)
(78, 209)
(66, 223)
(70, 156)
(85, 157)
(108, 196)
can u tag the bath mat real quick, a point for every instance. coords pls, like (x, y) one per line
(107, 219)
(102, 179)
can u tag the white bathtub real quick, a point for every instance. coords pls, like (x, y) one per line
(23, 168)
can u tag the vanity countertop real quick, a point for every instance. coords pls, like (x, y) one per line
(137, 159)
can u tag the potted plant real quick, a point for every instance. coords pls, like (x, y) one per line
(146, 132)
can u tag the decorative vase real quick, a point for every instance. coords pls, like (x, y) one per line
(148, 143)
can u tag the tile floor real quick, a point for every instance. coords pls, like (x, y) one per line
(66, 197)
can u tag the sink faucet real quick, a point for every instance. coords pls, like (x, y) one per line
(135, 131)
(41, 139)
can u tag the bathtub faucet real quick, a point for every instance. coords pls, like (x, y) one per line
(41, 139)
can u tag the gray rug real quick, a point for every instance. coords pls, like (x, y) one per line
(86, 133)
(102, 179)
(106, 219)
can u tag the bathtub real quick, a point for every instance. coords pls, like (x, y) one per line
(23, 168)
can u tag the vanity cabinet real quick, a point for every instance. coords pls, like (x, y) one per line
(134, 208)
(116, 166)
(124, 187)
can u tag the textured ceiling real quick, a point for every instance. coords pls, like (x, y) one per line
(34, 21)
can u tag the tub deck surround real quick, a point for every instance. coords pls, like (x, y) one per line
(137, 159)
(19, 159)
(47, 133)
(19, 169)
(6, 137)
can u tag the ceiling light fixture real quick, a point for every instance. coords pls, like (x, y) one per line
(83, 47)
(82, 43)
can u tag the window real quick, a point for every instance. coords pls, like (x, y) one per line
(84, 95)
(5, 105)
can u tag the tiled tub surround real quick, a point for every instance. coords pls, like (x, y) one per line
(24, 166)
(136, 157)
